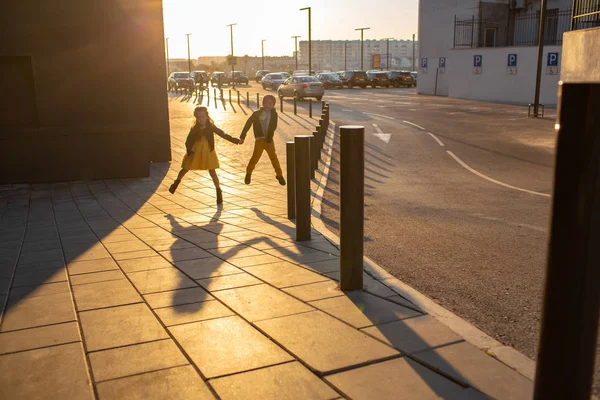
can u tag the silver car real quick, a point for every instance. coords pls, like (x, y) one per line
(301, 87)
(272, 81)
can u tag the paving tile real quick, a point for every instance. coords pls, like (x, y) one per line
(306, 258)
(160, 280)
(35, 338)
(125, 247)
(40, 256)
(361, 309)
(105, 294)
(191, 253)
(27, 277)
(84, 267)
(174, 383)
(226, 346)
(237, 251)
(194, 312)
(387, 380)
(466, 363)
(207, 268)
(261, 302)
(170, 244)
(369, 284)
(120, 326)
(38, 311)
(324, 267)
(218, 243)
(177, 297)
(94, 277)
(116, 237)
(136, 359)
(85, 254)
(47, 244)
(254, 260)
(39, 290)
(4, 285)
(286, 381)
(403, 302)
(56, 264)
(323, 342)
(134, 254)
(228, 282)
(316, 291)
(284, 274)
(414, 334)
(58, 372)
(144, 264)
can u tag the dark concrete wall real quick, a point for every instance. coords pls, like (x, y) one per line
(97, 105)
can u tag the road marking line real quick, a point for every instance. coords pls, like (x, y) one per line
(493, 180)
(415, 125)
(382, 116)
(347, 109)
(385, 137)
(436, 139)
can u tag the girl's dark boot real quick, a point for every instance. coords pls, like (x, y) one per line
(219, 196)
(173, 187)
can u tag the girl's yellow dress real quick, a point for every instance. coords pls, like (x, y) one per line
(203, 158)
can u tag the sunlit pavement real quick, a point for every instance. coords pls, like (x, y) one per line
(119, 289)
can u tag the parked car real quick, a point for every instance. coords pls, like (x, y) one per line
(378, 78)
(301, 87)
(218, 78)
(329, 79)
(300, 72)
(199, 75)
(285, 74)
(401, 78)
(273, 80)
(414, 75)
(355, 78)
(181, 81)
(238, 77)
(260, 74)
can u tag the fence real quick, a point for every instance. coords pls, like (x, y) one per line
(516, 30)
(586, 14)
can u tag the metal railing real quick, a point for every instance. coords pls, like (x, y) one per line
(586, 14)
(515, 30)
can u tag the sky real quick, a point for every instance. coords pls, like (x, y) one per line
(277, 22)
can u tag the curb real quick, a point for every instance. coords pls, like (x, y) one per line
(505, 354)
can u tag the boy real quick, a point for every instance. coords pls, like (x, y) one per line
(264, 123)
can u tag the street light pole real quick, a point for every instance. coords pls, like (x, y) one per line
(168, 62)
(361, 46)
(538, 78)
(189, 60)
(309, 41)
(262, 43)
(296, 47)
(345, 51)
(232, 66)
(387, 54)
(413, 52)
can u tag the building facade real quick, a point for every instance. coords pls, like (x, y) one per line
(338, 55)
(487, 50)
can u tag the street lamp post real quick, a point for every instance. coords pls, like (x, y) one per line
(168, 62)
(309, 42)
(538, 78)
(296, 47)
(189, 59)
(262, 44)
(387, 54)
(413, 52)
(361, 45)
(345, 51)
(232, 66)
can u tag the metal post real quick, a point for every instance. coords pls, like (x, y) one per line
(322, 126)
(296, 49)
(248, 99)
(257, 100)
(229, 96)
(262, 44)
(352, 206)
(310, 108)
(215, 93)
(322, 105)
(361, 46)
(314, 156)
(319, 139)
(295, 102)
(538, 78)
(189, 59)
(413, 60)
(238, 96)
(472, 30)
(232, 66)
(302, 178)
(345, 58)
(291, 185)
(309, 41)
(281, 105)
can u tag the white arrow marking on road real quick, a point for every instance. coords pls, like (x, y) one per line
(383, 136)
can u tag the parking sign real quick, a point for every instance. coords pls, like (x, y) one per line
(477, 61)
(552, 60)
(423, 62)
(442, 62)
(512, 60)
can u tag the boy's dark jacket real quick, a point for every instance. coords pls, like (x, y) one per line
(257, 127)
(196, 133)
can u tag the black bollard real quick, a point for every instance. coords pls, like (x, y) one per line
(229, 96)
(302, 177)
(322, 130)
(291, 181)
(310, 108)
(315, 153)
(281, 104)
(295, 103)
(214, 93)
(322, 105)
(238, 95)
(248, 99)
(352, 206)
(257, 100)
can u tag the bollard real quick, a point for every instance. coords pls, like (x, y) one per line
(281, 104)
(214, 93)
(291, 185)
(326, 117)
(322, 105)
(315, 153)
(295, 103)
(302, 179)
(238, 94)
(248, 99)
(352, 206)
(257, 100)
(229, 96)
(310, 108)
(322, 129)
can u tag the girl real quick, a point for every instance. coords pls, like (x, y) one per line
(201, 154)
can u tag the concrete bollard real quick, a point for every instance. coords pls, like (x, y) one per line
(310, 108)
(248, 99)
(291, 181)
(352, 206)
(302, 177)
(295, 103)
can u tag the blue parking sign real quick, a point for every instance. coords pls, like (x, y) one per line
(423, 62)
(552, 60)
(512, 60)
(442, 62)
(477, 61)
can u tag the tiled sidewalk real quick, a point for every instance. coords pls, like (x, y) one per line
(118, 289)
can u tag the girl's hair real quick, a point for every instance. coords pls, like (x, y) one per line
(203, 109)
